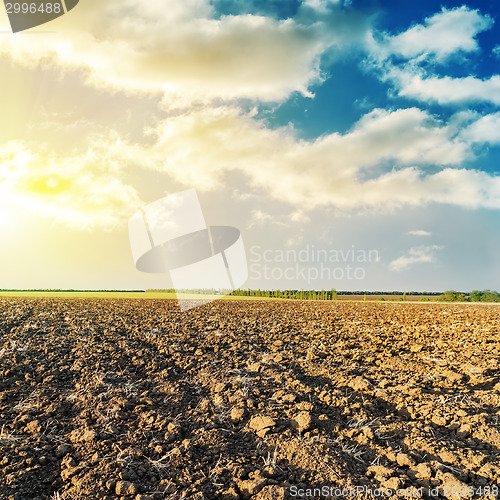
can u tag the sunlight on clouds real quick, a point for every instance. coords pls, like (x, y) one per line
(184, 50)
(121, 102)
(75, 191)
(48, 184)
(194, 59)
(405, 135)
(200, 148)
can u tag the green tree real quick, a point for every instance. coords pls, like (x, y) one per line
(452, 296)
(484, 296)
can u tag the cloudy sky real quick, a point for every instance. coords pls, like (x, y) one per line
(355, 143)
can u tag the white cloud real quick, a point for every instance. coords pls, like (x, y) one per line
(259, 217)
(442, 35)
(415, 255)
(185, 50)
(446, 90)
(419, 232)
(225, 139)
(389, 158)
(484, 130)
(496, 51)
(371, 166)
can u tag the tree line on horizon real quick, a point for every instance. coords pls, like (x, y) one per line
(448, 296)
(475, 296)
(285, 294)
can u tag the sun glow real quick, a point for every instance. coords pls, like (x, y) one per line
(9, 218)
(48, 185)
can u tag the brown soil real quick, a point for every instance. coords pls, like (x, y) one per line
(133, 399)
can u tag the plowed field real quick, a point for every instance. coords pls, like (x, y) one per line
(118, 398)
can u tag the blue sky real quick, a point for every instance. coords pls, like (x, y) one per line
(319, 124)
(349, 89)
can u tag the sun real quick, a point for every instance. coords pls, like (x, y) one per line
(48, 185)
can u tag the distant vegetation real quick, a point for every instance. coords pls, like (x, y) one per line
(475, 296)
(277, 294)
(452, 296)
(289, 294)
(448, 296)
(306, 294)
(55, 290)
